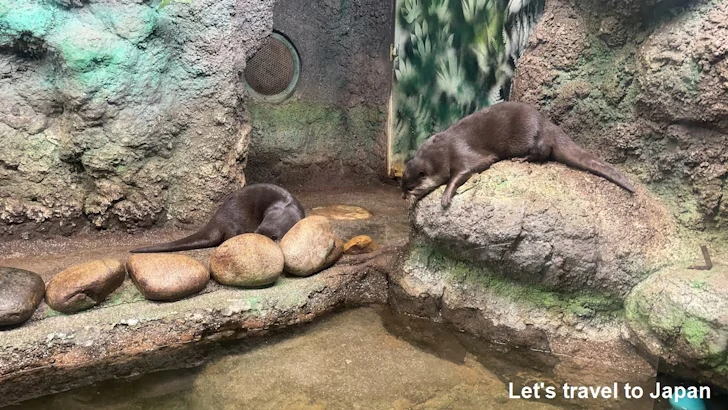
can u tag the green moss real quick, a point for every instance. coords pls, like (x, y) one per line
(697, 284)
(695, 331)
(579, 304)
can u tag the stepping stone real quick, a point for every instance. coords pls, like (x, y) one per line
(310, 246)
(167, 277)
(20, 294)
(247, 260)
(85, 285)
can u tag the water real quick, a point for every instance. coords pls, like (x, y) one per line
(366, 358)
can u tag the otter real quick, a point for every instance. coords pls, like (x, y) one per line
(266, 209)
(501, 131)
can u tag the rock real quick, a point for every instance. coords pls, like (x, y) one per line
(83, 286)
(360, 244)
(111, 136)
(20, 294)
(580, 327)
(612, 32)
(247, 260)
(310, 246)
(167, 276)
(681, 316)
(551, 225)
(655, 101)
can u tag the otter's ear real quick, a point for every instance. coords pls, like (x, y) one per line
(422, 174)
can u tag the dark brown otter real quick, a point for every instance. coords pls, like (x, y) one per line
(261, 208)
(501, 131)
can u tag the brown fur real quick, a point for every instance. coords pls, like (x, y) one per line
(501, 131)
(266, 209)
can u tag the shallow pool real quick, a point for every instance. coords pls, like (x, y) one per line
(366, 358)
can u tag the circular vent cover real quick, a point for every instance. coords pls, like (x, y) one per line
(272, 72)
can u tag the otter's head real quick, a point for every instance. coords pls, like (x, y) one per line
(420, 177)
(277, 222)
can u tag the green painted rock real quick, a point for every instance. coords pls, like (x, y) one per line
(310, 246)
(247, 260)
(83, 286)
(166, 276)
(20, 294)
(681, 315)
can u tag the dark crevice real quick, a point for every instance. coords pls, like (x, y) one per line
(27, 46)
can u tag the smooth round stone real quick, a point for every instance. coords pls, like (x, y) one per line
(360, 244)
(310, 246)
(247, 260)
(83, 286)
(20, 294)
(167, 276)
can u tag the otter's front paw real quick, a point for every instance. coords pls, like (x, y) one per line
(445, 201)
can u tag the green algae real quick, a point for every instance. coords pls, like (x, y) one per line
(694, 331)
(584, 304)
(697, 284)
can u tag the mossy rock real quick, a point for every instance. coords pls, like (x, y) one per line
(681, 315)
(552, 226)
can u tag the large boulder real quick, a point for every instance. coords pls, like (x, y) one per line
(646, 93)
(85, 285)
(681, 316)
(247, 260)
(117, 113)
(550, 225)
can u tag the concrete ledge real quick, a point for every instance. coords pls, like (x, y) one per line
(61, 352)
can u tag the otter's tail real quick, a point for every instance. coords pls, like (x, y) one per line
(566, 151)
(204, 238)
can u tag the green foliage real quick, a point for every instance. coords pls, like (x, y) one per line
(454, 57)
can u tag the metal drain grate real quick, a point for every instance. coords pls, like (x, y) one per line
(273, 69)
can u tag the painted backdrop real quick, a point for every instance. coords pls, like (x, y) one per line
(452, 57)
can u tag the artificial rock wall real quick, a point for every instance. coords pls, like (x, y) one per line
(119, 113)
(644, 84)
(334, 126)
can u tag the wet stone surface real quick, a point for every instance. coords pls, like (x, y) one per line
(20, 294)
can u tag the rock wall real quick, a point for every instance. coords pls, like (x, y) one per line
(644, 84)
(547, 257)
(334, 126)
(118, 113)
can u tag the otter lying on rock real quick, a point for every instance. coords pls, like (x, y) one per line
(502, 131)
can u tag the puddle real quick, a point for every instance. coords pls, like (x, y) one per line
(366, 358)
